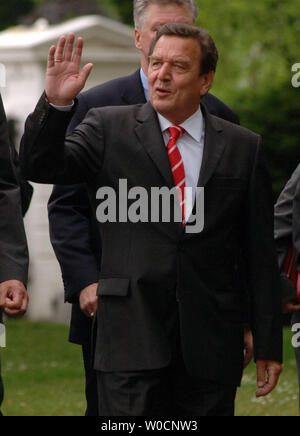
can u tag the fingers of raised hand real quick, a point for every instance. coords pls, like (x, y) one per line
(64, 50)
(59, 54)
(51, 57)
(78, 51)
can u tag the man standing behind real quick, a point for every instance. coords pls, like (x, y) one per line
(13, 246)
(73, 230)
(170, 325)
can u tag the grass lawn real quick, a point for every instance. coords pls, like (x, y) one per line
(43, 376)
(42, 372)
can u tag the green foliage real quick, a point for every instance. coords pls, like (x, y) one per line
(257, 41)
(12, 10)
(258, 44)
(274, 113)
(120, 9)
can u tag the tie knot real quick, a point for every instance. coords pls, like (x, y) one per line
(176, 132)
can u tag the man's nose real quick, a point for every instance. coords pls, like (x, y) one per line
(164, 72)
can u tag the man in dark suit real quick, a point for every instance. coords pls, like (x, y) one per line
(13, 246)
(170, 331)
(73, 229)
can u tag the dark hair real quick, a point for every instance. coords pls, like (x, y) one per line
(209, 58)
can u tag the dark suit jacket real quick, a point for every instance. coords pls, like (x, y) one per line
(142, 264)
(73, 231)
(13, 247)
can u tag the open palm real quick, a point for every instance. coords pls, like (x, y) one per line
(64, 80)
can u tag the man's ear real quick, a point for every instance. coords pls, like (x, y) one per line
(206, 82)
(137, 39)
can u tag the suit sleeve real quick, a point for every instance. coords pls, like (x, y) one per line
(72, 234)
(262, 267)
(73, 238)
(13, 245)
(48, 156)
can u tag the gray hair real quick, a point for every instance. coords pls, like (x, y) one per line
(140, 9)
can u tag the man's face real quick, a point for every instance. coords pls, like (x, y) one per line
(156, 16)
(175, 83)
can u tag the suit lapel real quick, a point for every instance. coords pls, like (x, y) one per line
(150, 137)
(214, 145)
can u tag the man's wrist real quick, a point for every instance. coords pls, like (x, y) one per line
(62, 105)
(65, 108)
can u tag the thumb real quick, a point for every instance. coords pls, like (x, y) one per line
(261, 373)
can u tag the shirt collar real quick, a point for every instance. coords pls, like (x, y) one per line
(193, 126)
(144, 80)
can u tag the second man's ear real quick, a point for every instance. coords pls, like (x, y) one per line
(137, 39)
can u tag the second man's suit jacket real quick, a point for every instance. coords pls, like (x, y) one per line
(143, 264)
(73, 230)
(13, 245)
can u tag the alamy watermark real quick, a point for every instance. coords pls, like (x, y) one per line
(2, 336)
(2, 76)
(159, 205)
(296, 76)
(296, 337)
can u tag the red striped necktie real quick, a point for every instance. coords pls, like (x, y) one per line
(177, 165)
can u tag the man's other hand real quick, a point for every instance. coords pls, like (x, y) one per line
(268, 372)
(88, 300)
(13, 297)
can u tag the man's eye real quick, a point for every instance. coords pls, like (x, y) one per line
(156, 64)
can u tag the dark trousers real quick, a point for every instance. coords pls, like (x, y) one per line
(91, 392)
(166, 392)
(162, 393)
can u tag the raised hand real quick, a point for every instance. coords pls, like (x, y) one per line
(64, 81)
